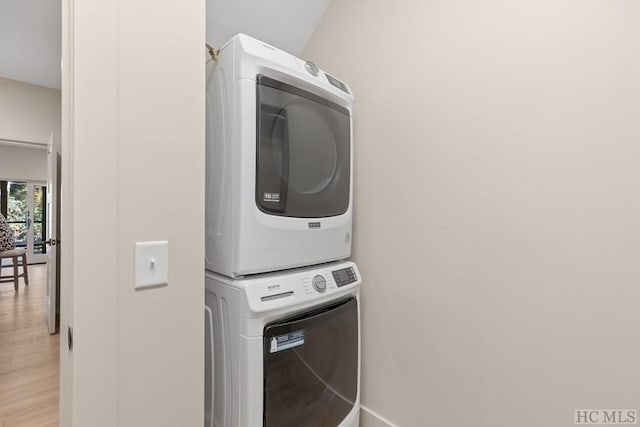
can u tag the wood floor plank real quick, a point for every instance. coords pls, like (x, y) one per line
(29, 356)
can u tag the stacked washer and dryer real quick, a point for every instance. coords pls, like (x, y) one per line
(282, 333)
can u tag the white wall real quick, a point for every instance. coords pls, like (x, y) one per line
(497, 205)
(287, 24)
(133, 150)
(20, 163)
(28, 112)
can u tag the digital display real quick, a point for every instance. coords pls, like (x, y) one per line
(344, 277)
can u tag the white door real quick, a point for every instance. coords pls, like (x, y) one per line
(52, 236)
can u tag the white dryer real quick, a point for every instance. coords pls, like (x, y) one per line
(283, 349)
(278, 181)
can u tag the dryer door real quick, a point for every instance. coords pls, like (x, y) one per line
(303, 152)
(311, 367)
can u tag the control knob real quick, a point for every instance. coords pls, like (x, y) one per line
(312, 68)
(319, 283)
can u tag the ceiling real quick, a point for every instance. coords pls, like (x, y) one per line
(30, 45)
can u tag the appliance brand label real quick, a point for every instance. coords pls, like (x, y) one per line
(314, 225)
(271, 197)
(286, 341)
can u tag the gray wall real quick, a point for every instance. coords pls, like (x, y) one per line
(497, 205)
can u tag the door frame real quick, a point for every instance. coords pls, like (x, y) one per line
(65, 399)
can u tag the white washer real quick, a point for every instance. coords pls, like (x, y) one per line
(279, 156)
(283, 349)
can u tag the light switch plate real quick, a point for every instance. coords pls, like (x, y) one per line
(152, 264)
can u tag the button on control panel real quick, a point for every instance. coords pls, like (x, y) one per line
(312, 68)
(344, 276)
(319, 283)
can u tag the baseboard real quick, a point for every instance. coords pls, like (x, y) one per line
(369, 418)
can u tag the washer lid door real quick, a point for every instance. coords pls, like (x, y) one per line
(311, 367)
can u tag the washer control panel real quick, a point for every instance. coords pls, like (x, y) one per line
(276, 290)
(344, 276)
(319, 283)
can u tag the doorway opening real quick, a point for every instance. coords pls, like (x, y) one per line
(30, 311)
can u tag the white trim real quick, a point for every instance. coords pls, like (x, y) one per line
(65, 400)
(377, 416)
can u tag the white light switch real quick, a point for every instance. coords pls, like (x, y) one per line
(152, 264)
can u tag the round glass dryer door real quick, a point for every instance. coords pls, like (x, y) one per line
(303, 152)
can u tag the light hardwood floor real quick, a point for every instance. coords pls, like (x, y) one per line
(29, 356)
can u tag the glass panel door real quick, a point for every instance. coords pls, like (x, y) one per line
(39, 220)
(311, 367)
(24, 206)
(303, 152)
(17, 211)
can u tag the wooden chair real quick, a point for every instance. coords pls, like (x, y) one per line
(14, 254)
